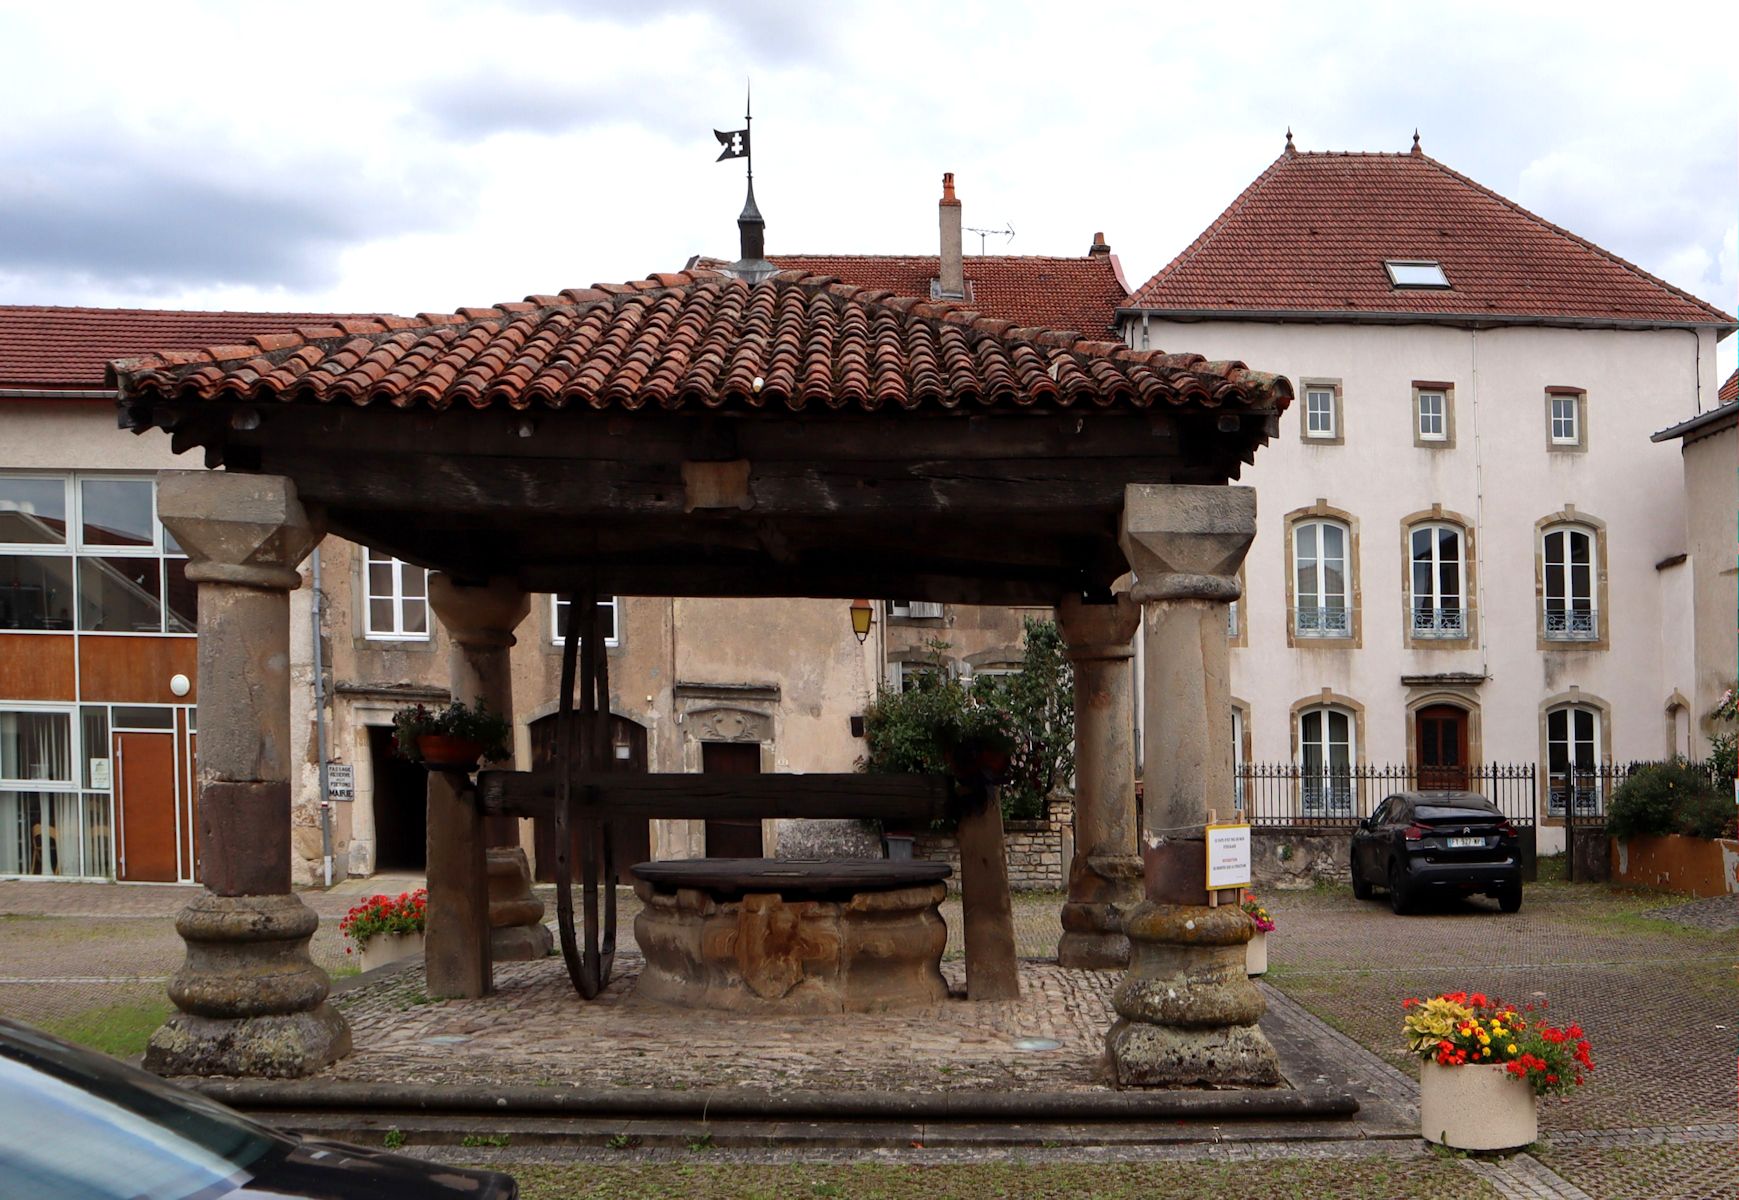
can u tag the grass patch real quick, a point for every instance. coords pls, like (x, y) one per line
(1423, 1177)
(120, 1029)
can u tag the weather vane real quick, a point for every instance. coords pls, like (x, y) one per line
(753, 266)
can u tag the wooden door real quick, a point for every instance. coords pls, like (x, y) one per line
(145, 808)
(732, 838)
(1441, 732)
(630, 839)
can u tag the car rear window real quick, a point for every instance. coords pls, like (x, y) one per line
(1459, 812)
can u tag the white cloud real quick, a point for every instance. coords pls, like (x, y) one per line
(415, 157)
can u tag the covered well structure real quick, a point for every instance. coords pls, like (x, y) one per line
(693, 434)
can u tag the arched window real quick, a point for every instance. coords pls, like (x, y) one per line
(1572, 760)
(1322, 593)
(1327, 750)
(1438, 581)
(1568, 558)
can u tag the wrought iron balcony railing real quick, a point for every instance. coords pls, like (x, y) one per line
(1571, 624)
(1324, 620)
(1430, 621)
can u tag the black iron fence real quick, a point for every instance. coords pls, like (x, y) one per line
(1303, 795)
(1298, 794)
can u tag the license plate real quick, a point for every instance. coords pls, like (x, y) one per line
(1466, 843)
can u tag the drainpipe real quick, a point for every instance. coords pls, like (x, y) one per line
(320, 729)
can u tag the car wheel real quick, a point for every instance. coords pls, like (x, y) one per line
(1510, 899)
(1400, 899)
(1361, 886)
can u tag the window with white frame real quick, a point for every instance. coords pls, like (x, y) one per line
(398, 600)
(1433, 414)
(1568, 565)
(1565, 414)
(1438, 582)
(916, 610)
(1238, 757)
(86, 552)
(558, 621)
(1319, 414)
(1572, 758)
(1232, 617)
(1327, 750)
(1321, 593)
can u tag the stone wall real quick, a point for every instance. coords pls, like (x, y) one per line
(1285, 859)
(1038, 851)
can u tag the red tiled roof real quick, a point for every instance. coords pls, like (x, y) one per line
(699, 338)
(1312, 232)
(1730, 389)
(67, 348)
(1082, 294)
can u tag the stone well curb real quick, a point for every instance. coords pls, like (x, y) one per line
(338, 1095)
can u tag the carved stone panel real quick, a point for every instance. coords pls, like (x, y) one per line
(729, 725)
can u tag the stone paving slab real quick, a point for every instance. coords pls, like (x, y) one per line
(1718, 914)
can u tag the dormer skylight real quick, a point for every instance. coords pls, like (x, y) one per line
(1415, 273)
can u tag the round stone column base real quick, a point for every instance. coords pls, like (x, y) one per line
(516, 929)
(284, 1046)
(1093, 951)
(1189, 1056)
(1187, 1010)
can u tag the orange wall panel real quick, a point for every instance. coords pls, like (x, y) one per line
(137, 670)
(36, 666)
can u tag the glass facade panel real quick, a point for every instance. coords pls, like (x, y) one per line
(118, 512)
(32, 510)
(36, 591)
(180, 597)
(36, 746)
(120, 595)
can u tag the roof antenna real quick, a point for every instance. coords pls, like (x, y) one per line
(1290, 149)
(1007, 233)
(1416, 149)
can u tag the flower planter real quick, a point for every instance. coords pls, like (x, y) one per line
(384, 948)
(442, 751)
(1256, 954)
(1476, 1107)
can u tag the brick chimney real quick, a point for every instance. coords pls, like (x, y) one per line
(1099, 246)
(951, 271)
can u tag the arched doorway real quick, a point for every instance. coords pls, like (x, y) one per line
(1440, 737)
(631, 841)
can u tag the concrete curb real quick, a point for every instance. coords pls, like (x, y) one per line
(336, 1095)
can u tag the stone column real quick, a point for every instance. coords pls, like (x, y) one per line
(480, 622)
(1186, 1011)
(249, 1000)
(1105, 876)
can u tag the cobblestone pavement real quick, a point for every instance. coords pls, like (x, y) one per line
(1653, 982)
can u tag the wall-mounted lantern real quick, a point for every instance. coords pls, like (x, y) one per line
(862, 613)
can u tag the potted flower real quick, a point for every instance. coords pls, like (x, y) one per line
(455, 736)
(1256, 949)
(385, 929)
(1483, 1064)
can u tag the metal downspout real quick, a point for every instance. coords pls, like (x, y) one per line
(320, 727)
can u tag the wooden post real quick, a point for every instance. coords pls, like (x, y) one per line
(988, 913)
(456, 944)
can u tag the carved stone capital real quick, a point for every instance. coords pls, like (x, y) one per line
(246, 530)
(1098, 631)
(1185, 541)
(478, 615)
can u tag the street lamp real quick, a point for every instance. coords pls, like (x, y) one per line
(862, 613)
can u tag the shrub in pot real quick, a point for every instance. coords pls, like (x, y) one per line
(383, 929)
(452, 735)
(1256, 949)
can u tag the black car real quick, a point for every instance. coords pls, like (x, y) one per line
(77, 1125)
(1443, 842)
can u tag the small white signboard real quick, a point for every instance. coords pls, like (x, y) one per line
(340, 782)
(101, 777)
(1228, 856)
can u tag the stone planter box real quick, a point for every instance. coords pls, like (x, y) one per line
(1256, 954)
(384, 948)
(1476, 1107)
(1675, 863)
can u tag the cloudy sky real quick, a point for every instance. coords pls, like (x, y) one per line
(417, 157)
